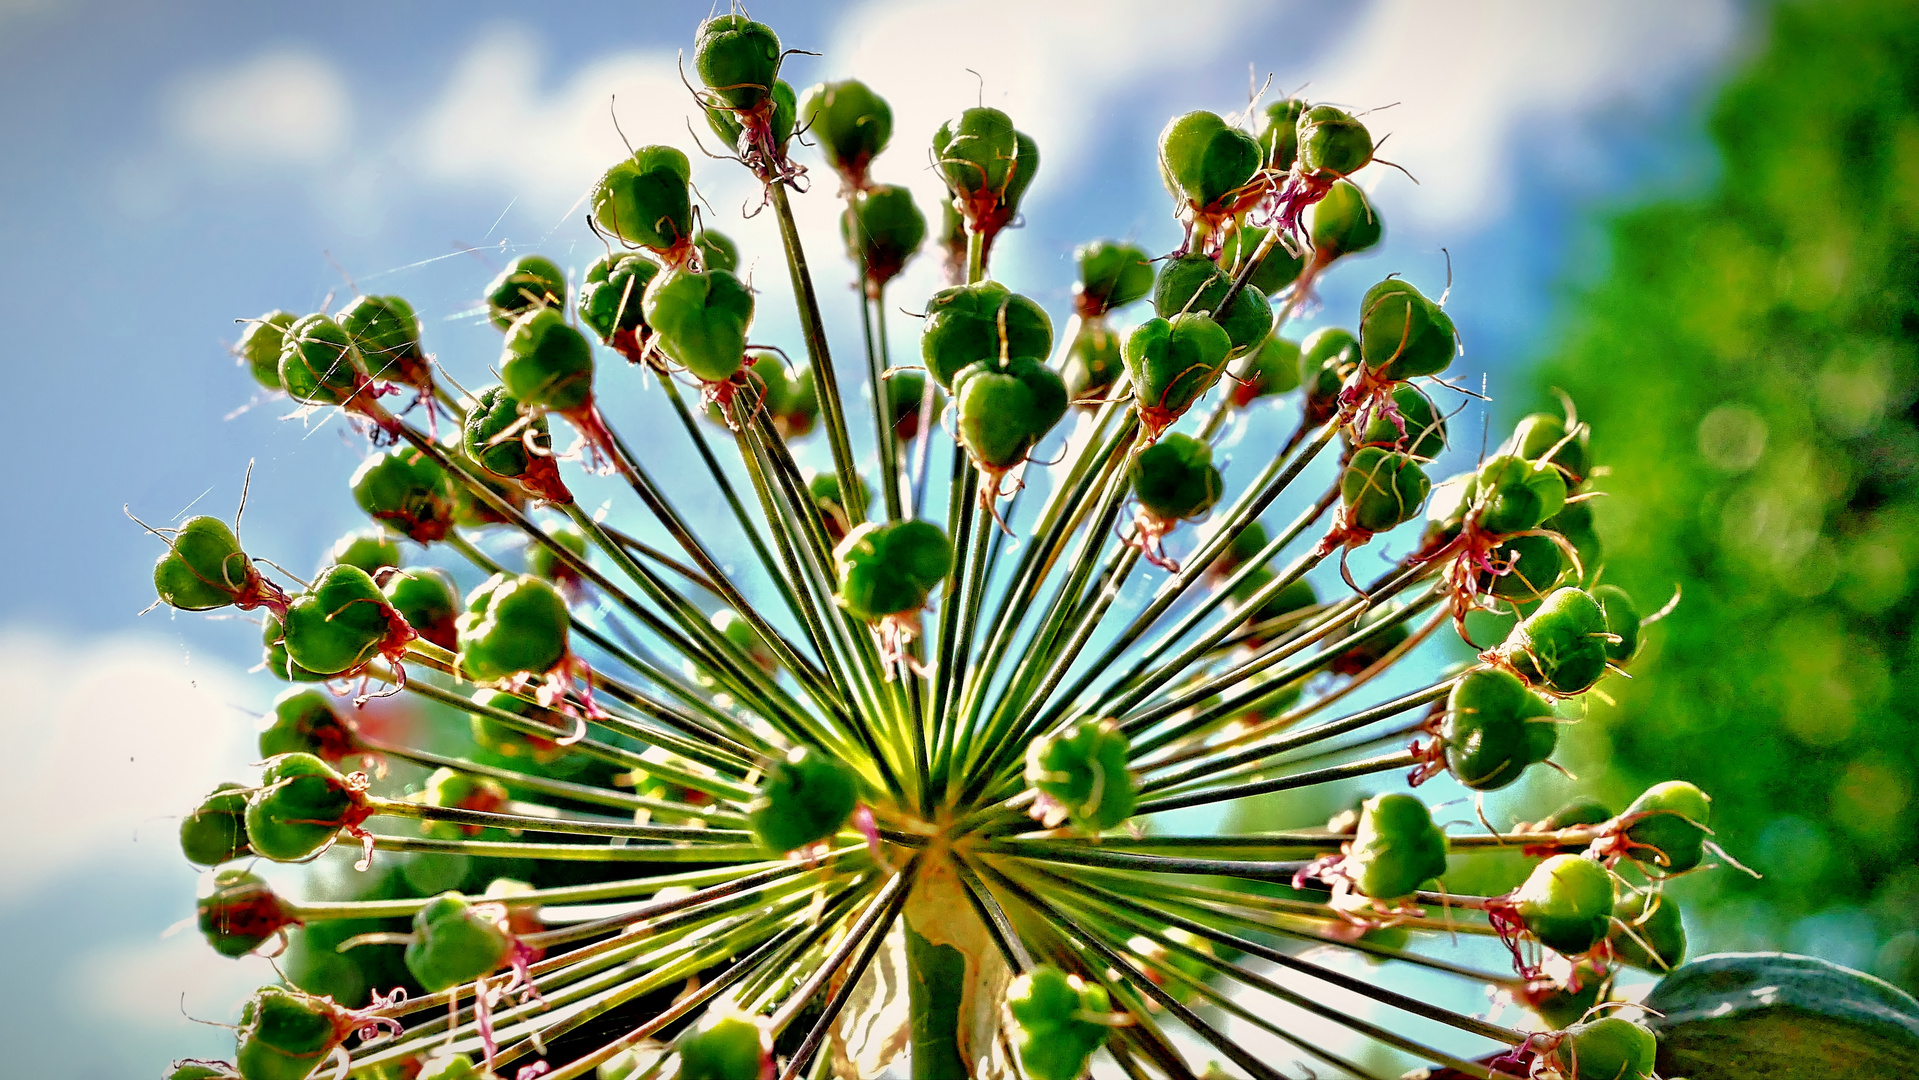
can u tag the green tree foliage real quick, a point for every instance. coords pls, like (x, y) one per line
(1759, 344)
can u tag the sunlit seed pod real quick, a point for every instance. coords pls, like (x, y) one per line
(806, 798)
(1562, 644)
(216, 831)
(1647, 931)
(1296, 596)
(1196, 284)
(1172, 364)
(1404, 335)
(1093, 363)
(203, 567)
(528, 282)
(1564, 1004)
(905, 398)
(1622, 621)
(1542, 437)
(1025, 170)
(299, 807)
(1669, 826)
(737, 59)
(890, 569)
(700, 320)
(1580, 811)
(1005, 408)
(1331, 144)
(260, 345)
(1082, 772)
(977, 153)
(542, 563)
(1279, 133)
(611, 296)
(318, 363)
(275, 659)
(1532, 564)
(425, 598)
(1204, 162)
(1396, 849)
(985, 321)
(1514, 495)
(1485, 731)
(510, 742)
(1050, 1008)
(453, 943)
(1327, 358)
(1344, 223)
(781, 123)
(824, 487)
(405, 490)
(647, 201)
(1575, 523)
(387, 333)
(546, 362)
(498, 432)
(1112, 274)
(1175, 479)
(285, 1034)
(1419, 432)
(303, 720)
(1377, 646)
(882, 229)
(1275, 272)
(1382, 488)
(1241, 549)
(371, 550)
(514, 624)
(1567, 903)
(1274, 370)
(723, 1045)
(851, 123)
(237, 912)
(339, 623)
(717, 251)
(1607, 1048)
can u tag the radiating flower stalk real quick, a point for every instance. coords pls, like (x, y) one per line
(907, 807)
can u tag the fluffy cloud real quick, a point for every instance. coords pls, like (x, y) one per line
(281, 107)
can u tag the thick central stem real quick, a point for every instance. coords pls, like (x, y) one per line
(955, 977)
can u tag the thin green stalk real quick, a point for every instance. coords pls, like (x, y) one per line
(832, 408)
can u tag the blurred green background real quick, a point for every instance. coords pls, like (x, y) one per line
(1747, 360)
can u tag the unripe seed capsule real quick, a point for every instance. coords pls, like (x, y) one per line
(611, 299)
(882, 229)
(700, 320)
(459, 791)
(737, 59)
(1277, 270)
(1533, 565)
(1112, 274)
(1344, 223)
(302, 803)
(238, 912)
(1080, 774)
(1275, 370)
(1196, 284)
(371, 550)
(1279, 133)
(203, 567)
(454, 944)
(260, 345)
(1205, 163)
(1420, 432)
(275, 658)
(342, 622)
(1005, 409)
(1051, 1009)
(1377, 646)
(1648, 931)
(717, 251)
(1382, 488)
(645, 200)
(546, 362)
(1327, 358)
(1562, 644)
(216, 830)
(984, 321)
(1396, 849)
(852, 125)
(285, 1034)
(1404, 335)
(1622, 621)
(905, 392)
(1609, 1048)
(806, 799)
(304, 721)
(1172, 364)
(781, 121)
(1093, 363)
(1175, 479)
(889, 569)
(426, 599)
(1567, 903)
(497, 436)
(1486, 729)
(406, 491)
(724, 1045)
(387, 333)
(1669, 822)
(542, 563)
(528, 282)
(977, 154)
(514, 624)
(318, 363)
(1331, 144)
(1514, 495)
(1296, 596)
(1537, 435)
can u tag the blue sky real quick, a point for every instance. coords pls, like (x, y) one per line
(175, 167)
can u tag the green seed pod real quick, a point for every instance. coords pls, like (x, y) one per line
(646, 201)
(1331, 144)
(453, 944)
(1327, 358)
(339, 624)
(1622, 621)
(852, 125)
(426, 599)
(216, 830)
(542, 563)
(303, 721)
(905, 392)
(1537, 435)
(1396, 849)
(1093, 363)
(1562, 1006)
(496, 435)
(1022, 176)
(1647, 932)
(1275, 370)
(514, 624)
(806, 798)
(724, 1045)
(546, 362)
(1489, 716)
(1081, 772)
(788, 396)
(735, 628)
(1050, 1007)
(1404, 335)
(782, 121)
(1562, 644)
(1566, 903)
(1174, 478)
(456, 790)
(1205, 163)
(528, 282)
(1670, 821)
(238, 912)
(889, 569)
(1294, 597)
(1344, 223)
(203, 567)
(1575, 523)
(1382, 488)
(1279, 134)
(1420, 432)
(977, 154)
(387, 333)
(1580, 811)
(1533, 566)
(1172, 365)
(1005, 408)
(1609, 1048)
(1196, 284)
(700, 320)
(737, 59)
(371, 550)
(611, 299)
(1112, 274)
(260, 345)
(508, 742)
(825, 489)
(1279, 269)
(1375, 648)
(318, 363)
(285, 1034)
(1240, 550)
(275, 659)
(984, 321)
(1515, 495)
(407, 491)
(201, 1070)
(302, 803)
(882, 229)
(717, 251)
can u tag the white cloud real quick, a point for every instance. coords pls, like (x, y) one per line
(1486, 90)
(285, 106)
(108, 742)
